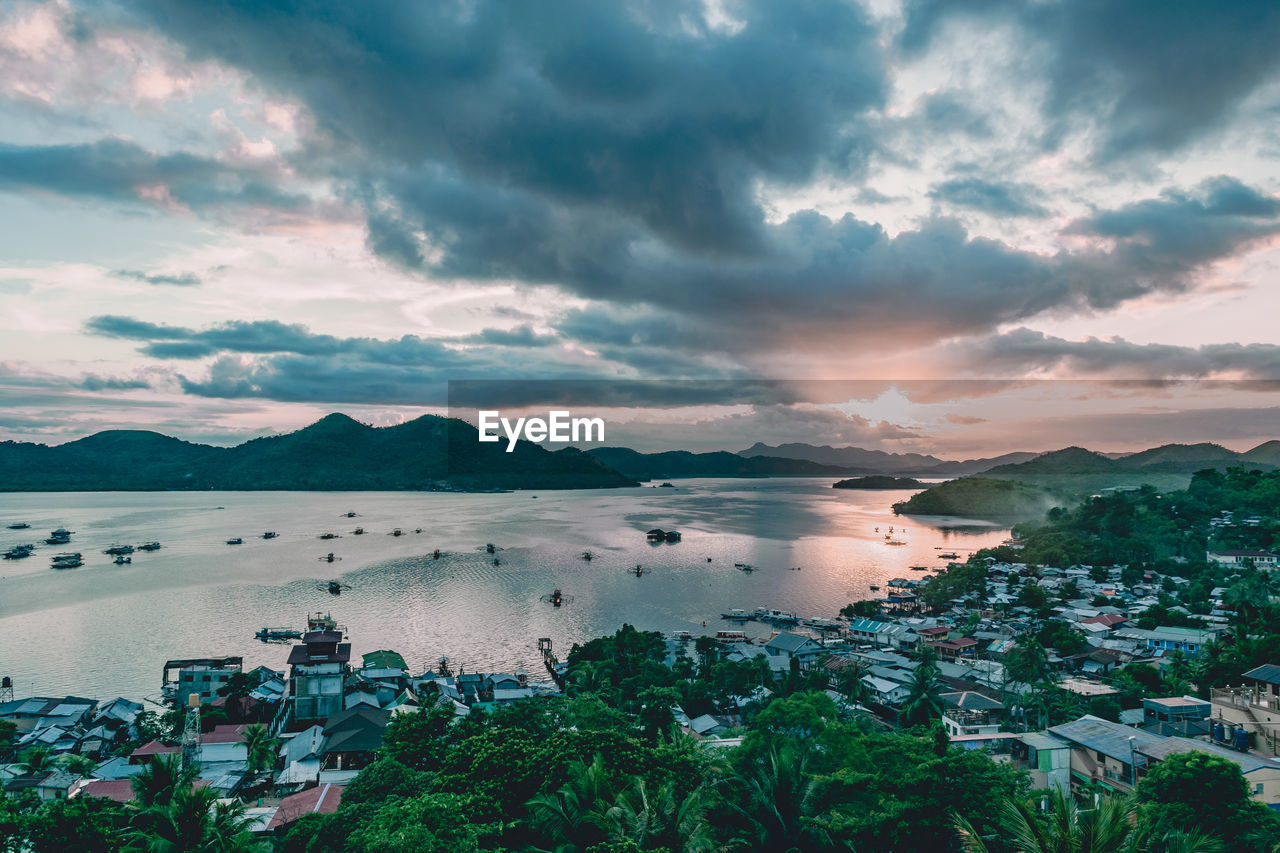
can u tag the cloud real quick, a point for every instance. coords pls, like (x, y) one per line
(998, 198)
(1145, 76)
(184, 279)
(1023, 349)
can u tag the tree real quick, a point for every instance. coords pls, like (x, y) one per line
(1205, 792)
(193, 820)
(924, 697)
(1027, 661)
(865, 609)
(779, 803)
(1108, 828)
(660, 821)
(574, 815)
(261, 748)
(36, 761)
(83, 824)
(160, 780)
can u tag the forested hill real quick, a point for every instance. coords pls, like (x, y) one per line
(335, 453)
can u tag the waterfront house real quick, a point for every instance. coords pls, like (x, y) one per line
(790, 647)
(318, 669)
(205, 679)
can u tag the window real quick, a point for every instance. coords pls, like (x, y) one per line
(1257, 789)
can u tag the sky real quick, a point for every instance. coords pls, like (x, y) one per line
(224, 220)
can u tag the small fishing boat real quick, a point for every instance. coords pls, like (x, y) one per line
(918, 568)
(329, 536)
(149, 546)
(397, 532)
(67, 561)
(776, 617)
(875, 588)
(951, 555)
(18, 552)
(119, 550)
(266, 634)
(737, 614)
(236, 541)
(335, 587)
(19, 525)
(270, 534)
(359, 531)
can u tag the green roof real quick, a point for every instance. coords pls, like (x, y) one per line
(385, 659)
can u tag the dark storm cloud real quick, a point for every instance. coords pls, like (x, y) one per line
(1152, 75)
(93, 382)
(185, 279)
(521, 336)
(1023, 349)
(999, 198)
(118, 170)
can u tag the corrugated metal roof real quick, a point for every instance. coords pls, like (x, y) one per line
(1268, 672)
(1105, 736)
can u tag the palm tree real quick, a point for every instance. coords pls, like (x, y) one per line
(1112, 827)
(780, 803)
(924, 699)
(35, 761)
(193, 821)
(261, 748)
(80, 765)
(849, 680)
(660, 821)
(573, 816)
(160, 780)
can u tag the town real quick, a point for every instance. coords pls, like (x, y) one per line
(1079, 682)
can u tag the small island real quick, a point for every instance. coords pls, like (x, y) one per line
(979, 497)
(880, 481)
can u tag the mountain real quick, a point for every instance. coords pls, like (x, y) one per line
(674, 464)
(861, 461)
(1181, 458)
(1069, 460)
(334, 453)
(1268, 454)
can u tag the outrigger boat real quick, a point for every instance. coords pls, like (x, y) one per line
(119, 550)
(18, 552)
(266, 634)
(737, 615)
(235, 541)
(149, 546)
(67, 561)
(19, 525)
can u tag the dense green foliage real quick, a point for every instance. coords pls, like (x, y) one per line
(979, 497)
(879, 481)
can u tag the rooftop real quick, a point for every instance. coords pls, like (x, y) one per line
(1104, 736)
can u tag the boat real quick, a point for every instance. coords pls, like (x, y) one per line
(731, 636)
(672, 536)
(19, 525)
(777, 617)
(918, 568)
(819, 624)
(895, 542)
(235, 541)
(556, 598)
(149, 546)
(737, 614)
(682, 635)
(329, 558)
(266, 634)
(119, 550)
(657, 534)
(951, 555)
(67, 561)
(746, 567)
(435, 555)
(359, 531)
(61, 536)
(489, 548)
(351, 515)
(323, 622)
(121, 560)
(588, 556)
(875, 588)
(329, 536)
(397, 532)
(335, 587)
(18, 552)
(270, 534)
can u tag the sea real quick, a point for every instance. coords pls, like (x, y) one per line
(105, 630)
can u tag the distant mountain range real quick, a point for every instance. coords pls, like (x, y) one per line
(857, 460)
(335, 453)
(430, 452)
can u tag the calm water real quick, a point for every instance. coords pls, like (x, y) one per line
(105, 630)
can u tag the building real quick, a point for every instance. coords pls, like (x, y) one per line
(1184, 716)
(1104, 752)
(968, 713)
(1260, 559)
(1260, 772)
(204, 680)
(794, 647)
(318, 669)
(1253, 707)
(1188, 640)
